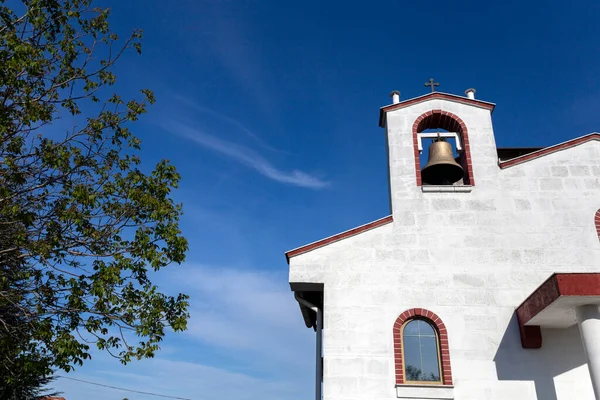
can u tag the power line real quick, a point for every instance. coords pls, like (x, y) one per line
(119, 388)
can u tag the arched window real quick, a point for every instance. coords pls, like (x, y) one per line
(421, 349)
(421, 352)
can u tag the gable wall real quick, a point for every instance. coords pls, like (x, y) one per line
(471, 258)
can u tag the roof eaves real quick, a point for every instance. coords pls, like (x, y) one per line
(433, 96)
(549, 150)
(339, 236)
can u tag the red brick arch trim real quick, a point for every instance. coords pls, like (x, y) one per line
(452, 123)
(443, 337)
(597, 222)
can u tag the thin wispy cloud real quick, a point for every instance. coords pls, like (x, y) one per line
(235, 42)
(249, 311)
(245, 156)
(237, 125)
(190, 380)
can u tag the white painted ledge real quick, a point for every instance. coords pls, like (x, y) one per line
(446, 188)
(425, 392)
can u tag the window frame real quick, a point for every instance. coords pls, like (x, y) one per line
(443, 349)
(438, 352)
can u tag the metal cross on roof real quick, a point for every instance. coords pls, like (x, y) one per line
(432, 83)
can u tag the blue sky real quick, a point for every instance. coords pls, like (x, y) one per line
(269, 110)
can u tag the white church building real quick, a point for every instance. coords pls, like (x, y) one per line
(483, 283)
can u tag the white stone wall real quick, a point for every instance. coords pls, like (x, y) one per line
(471, 258)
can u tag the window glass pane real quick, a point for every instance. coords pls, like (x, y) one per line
(429, 357)
(412, 328)
(412, 358)
(425, 329)
(421, 353)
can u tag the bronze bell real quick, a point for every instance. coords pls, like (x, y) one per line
(441, 168)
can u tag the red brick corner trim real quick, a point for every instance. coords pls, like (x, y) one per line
(443, 337)
(339, 236)
(549, 150)
(452, 123)
(557, 285)
(597, 222)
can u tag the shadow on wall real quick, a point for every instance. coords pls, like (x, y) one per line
(561, 352)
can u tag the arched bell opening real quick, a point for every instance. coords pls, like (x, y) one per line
(442, 152)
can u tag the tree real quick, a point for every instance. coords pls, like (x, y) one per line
(24, 373)
(30, 386)
(82, 226)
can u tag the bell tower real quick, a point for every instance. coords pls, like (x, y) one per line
(438, 143)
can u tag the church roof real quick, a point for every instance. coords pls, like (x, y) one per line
(540, 152)
(339, 236)
(508, 153)
(433, 96)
